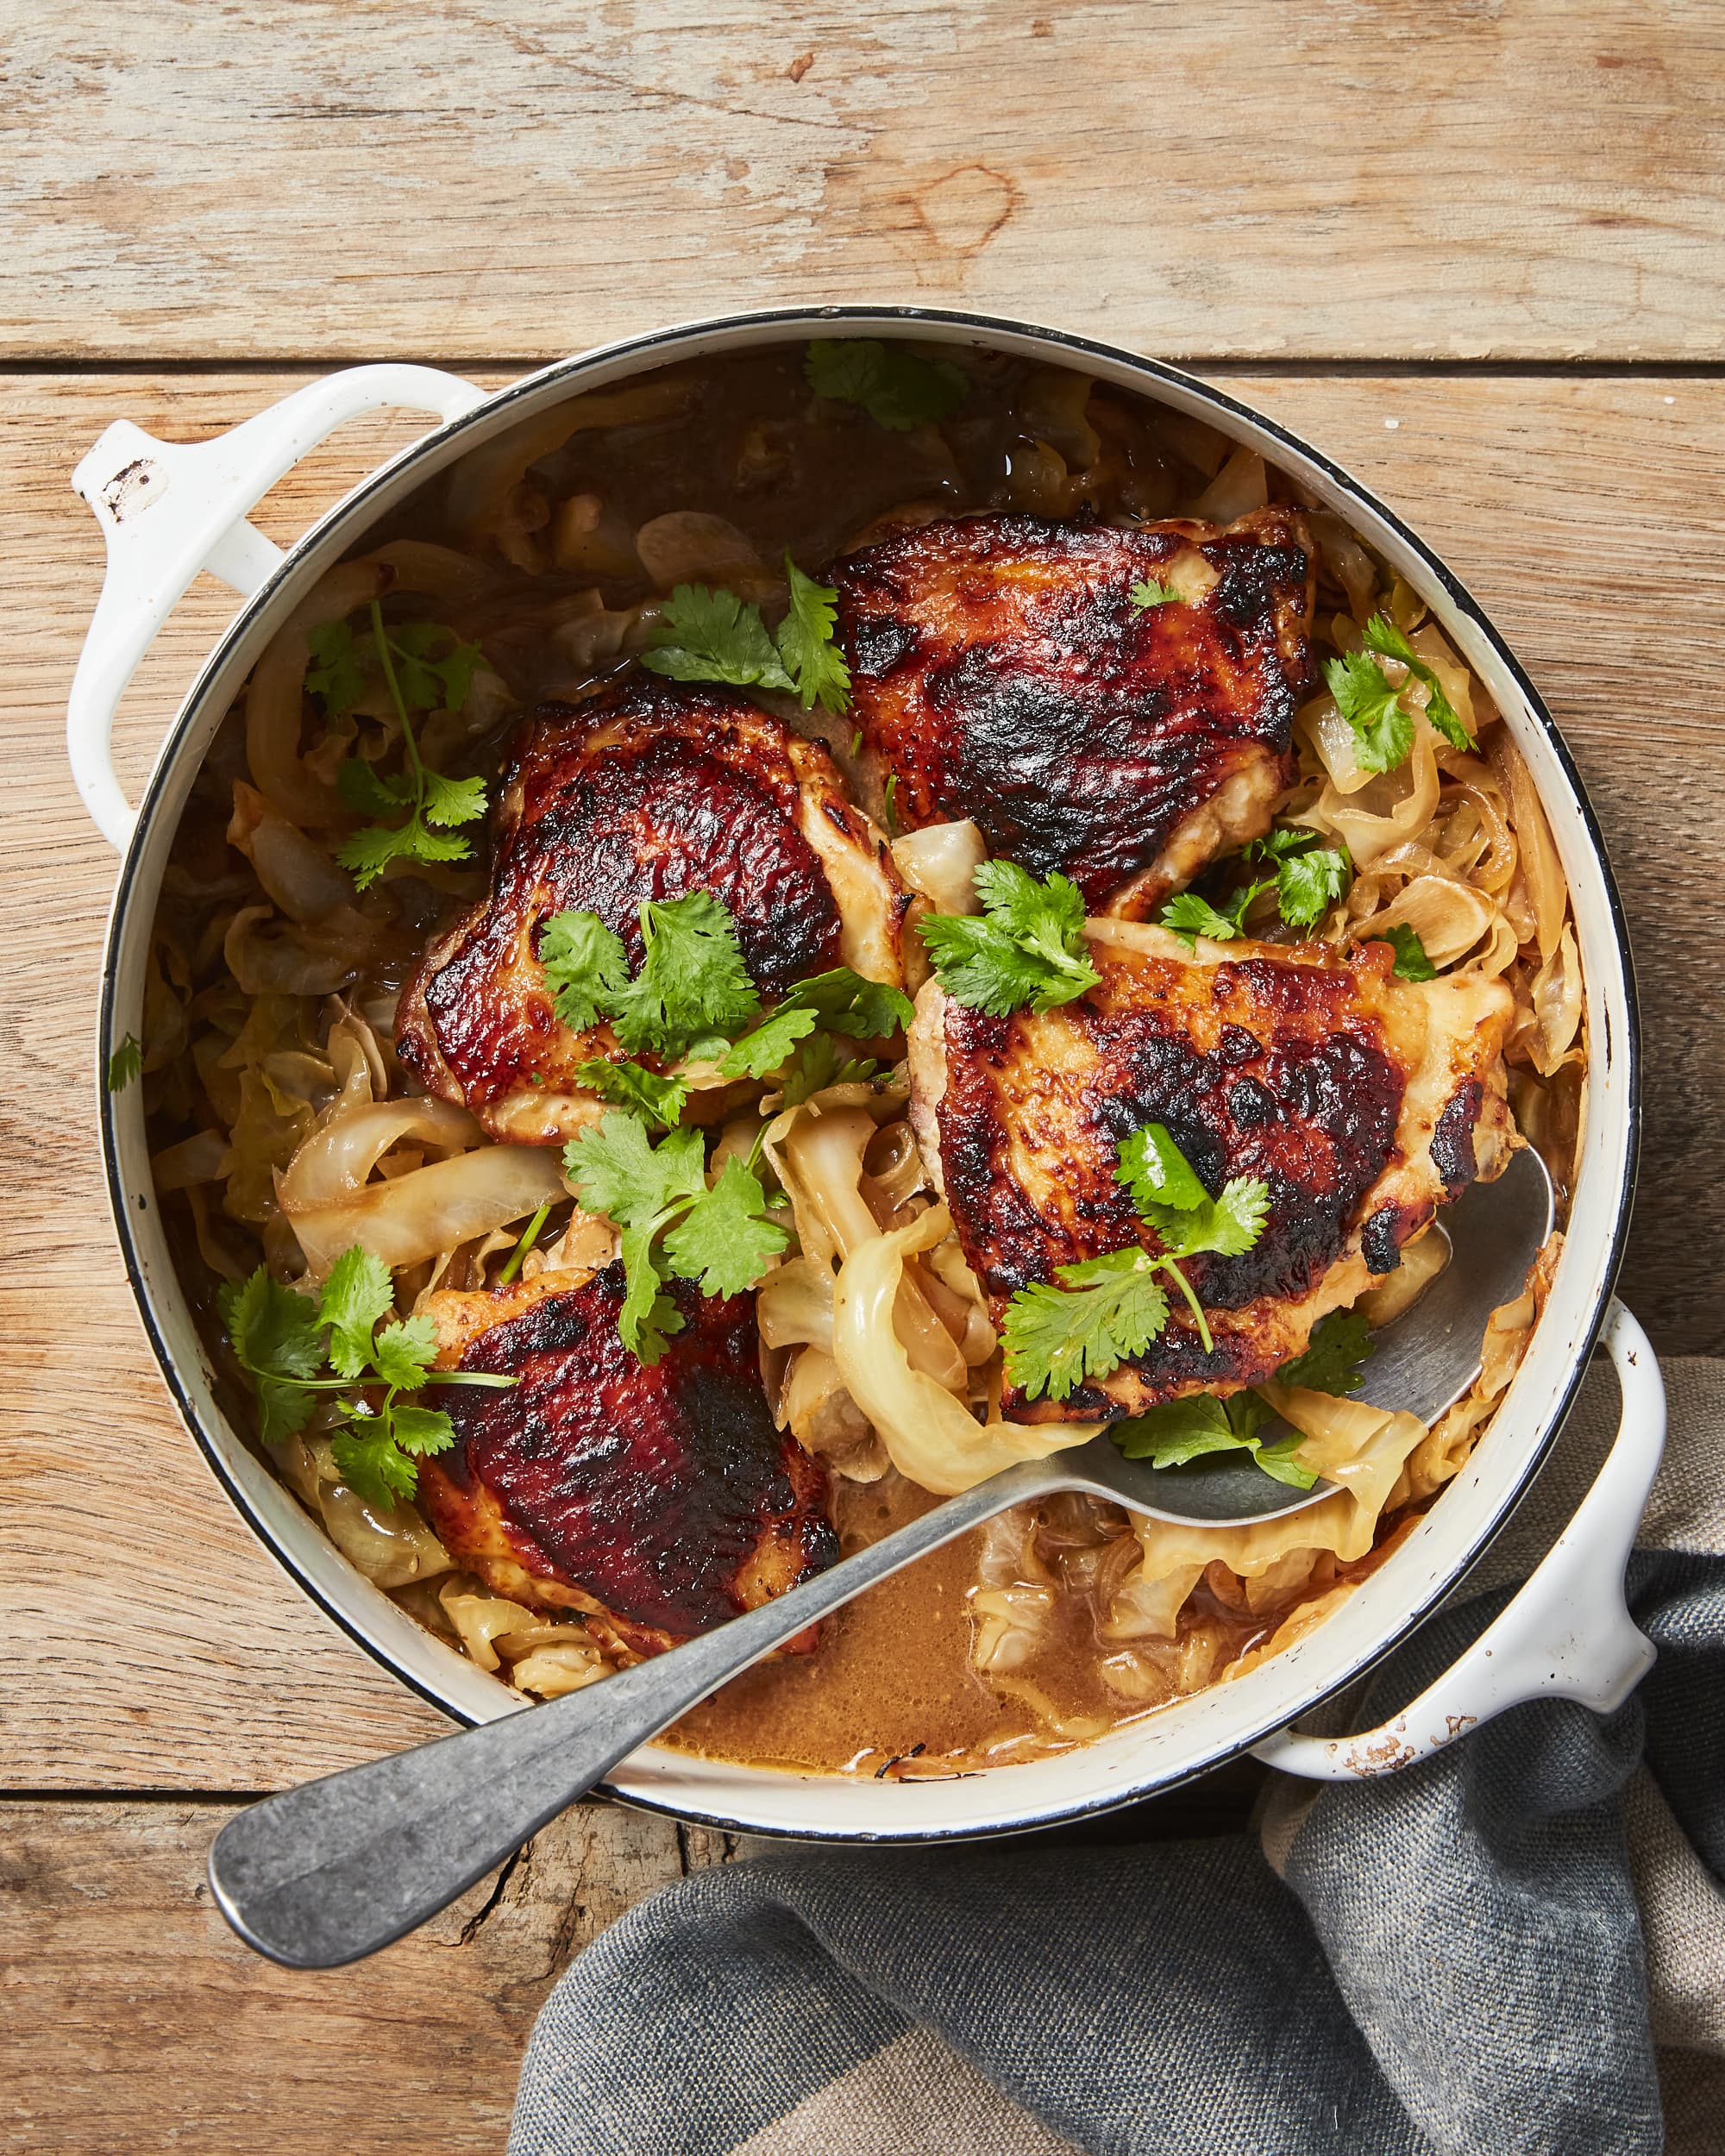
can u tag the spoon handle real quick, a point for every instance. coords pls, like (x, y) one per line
(332, 1871)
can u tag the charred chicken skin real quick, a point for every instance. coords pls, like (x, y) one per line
(658, 1501)
(1362, 1101)
(650, 789)
(1003, 672)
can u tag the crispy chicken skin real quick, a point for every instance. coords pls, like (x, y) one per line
(658, 1501)
(647, 790)
(1364, 1102)
(1002, 673)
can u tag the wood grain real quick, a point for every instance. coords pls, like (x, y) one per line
(134, 2020)
(149, 1643)
(1394, 179)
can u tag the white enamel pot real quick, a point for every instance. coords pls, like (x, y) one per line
(168, 512)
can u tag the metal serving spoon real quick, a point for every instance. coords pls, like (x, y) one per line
(332, 1871)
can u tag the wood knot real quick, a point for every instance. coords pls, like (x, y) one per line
(962, 211)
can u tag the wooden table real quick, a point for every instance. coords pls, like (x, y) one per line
(1475, 253)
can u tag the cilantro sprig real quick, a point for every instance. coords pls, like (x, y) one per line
(1305, 878)
(126, 1064)
(898, 388)
(1372, 704)
(1153, 592)
(1178, 1430)
(1110, 1308)
(705, 635)
(421, 675)
(1411, 960)
(1334, 1358)
(286, 1343)
(1027, 947)
(693, 997)
(670, 1220)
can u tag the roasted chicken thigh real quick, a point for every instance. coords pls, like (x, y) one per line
(658, 1501)
(1362, 1101)
(1004, 671)
(649, 789)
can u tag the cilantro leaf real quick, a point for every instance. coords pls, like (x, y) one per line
(366, 792)
(275, 1331)
(1053, 1339)
(1371, 704)
(1151, 593)
(770, 1044)
(804, 642)
(420, 1431)
(628, 1085)
(692, 979)
(1340, 1342)
(369, 852)
(1278, 1460)
(819, 1064)
(357, 1295)
(404, 1352)
(647, 1316)
(897, 389)
(449, 801)
(848, 1002)
(126, 1064)
(416, 677)
(1411, 961)
(1110, 1309)
(725, 1239)
(336, 676)
(1179, 1430)
(1027, 949)
(1188, 916)
(617, 1170)
(711, 635)
(1305, 884)
(1384, 636)
(1156, 1171)
(366, 1454)
(585, 964)
(1228, 1225)
(433, 680)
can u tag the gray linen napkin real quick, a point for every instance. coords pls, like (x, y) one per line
(1515, 1949)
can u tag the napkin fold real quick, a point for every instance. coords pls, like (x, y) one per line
(1516, 1948)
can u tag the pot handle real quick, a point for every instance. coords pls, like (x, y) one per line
(169, 509)
(1567, 1634)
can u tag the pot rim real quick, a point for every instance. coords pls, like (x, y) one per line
(440, 446)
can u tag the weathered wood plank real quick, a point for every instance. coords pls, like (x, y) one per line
(1245, 177)
(149, 1643)
(134, 2020)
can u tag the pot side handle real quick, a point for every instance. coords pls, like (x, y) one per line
(1567, 1634)
(169, 509)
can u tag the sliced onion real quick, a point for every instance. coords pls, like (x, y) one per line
(793, 1304)
(1239, 488)
(824, 1154)
(932, 1437)
(304, 883)
(347, 1145)
(1557, 998)
(1448, 918)
(432, 1209)
(688, 546)
(1539, 864)
(940, 862)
